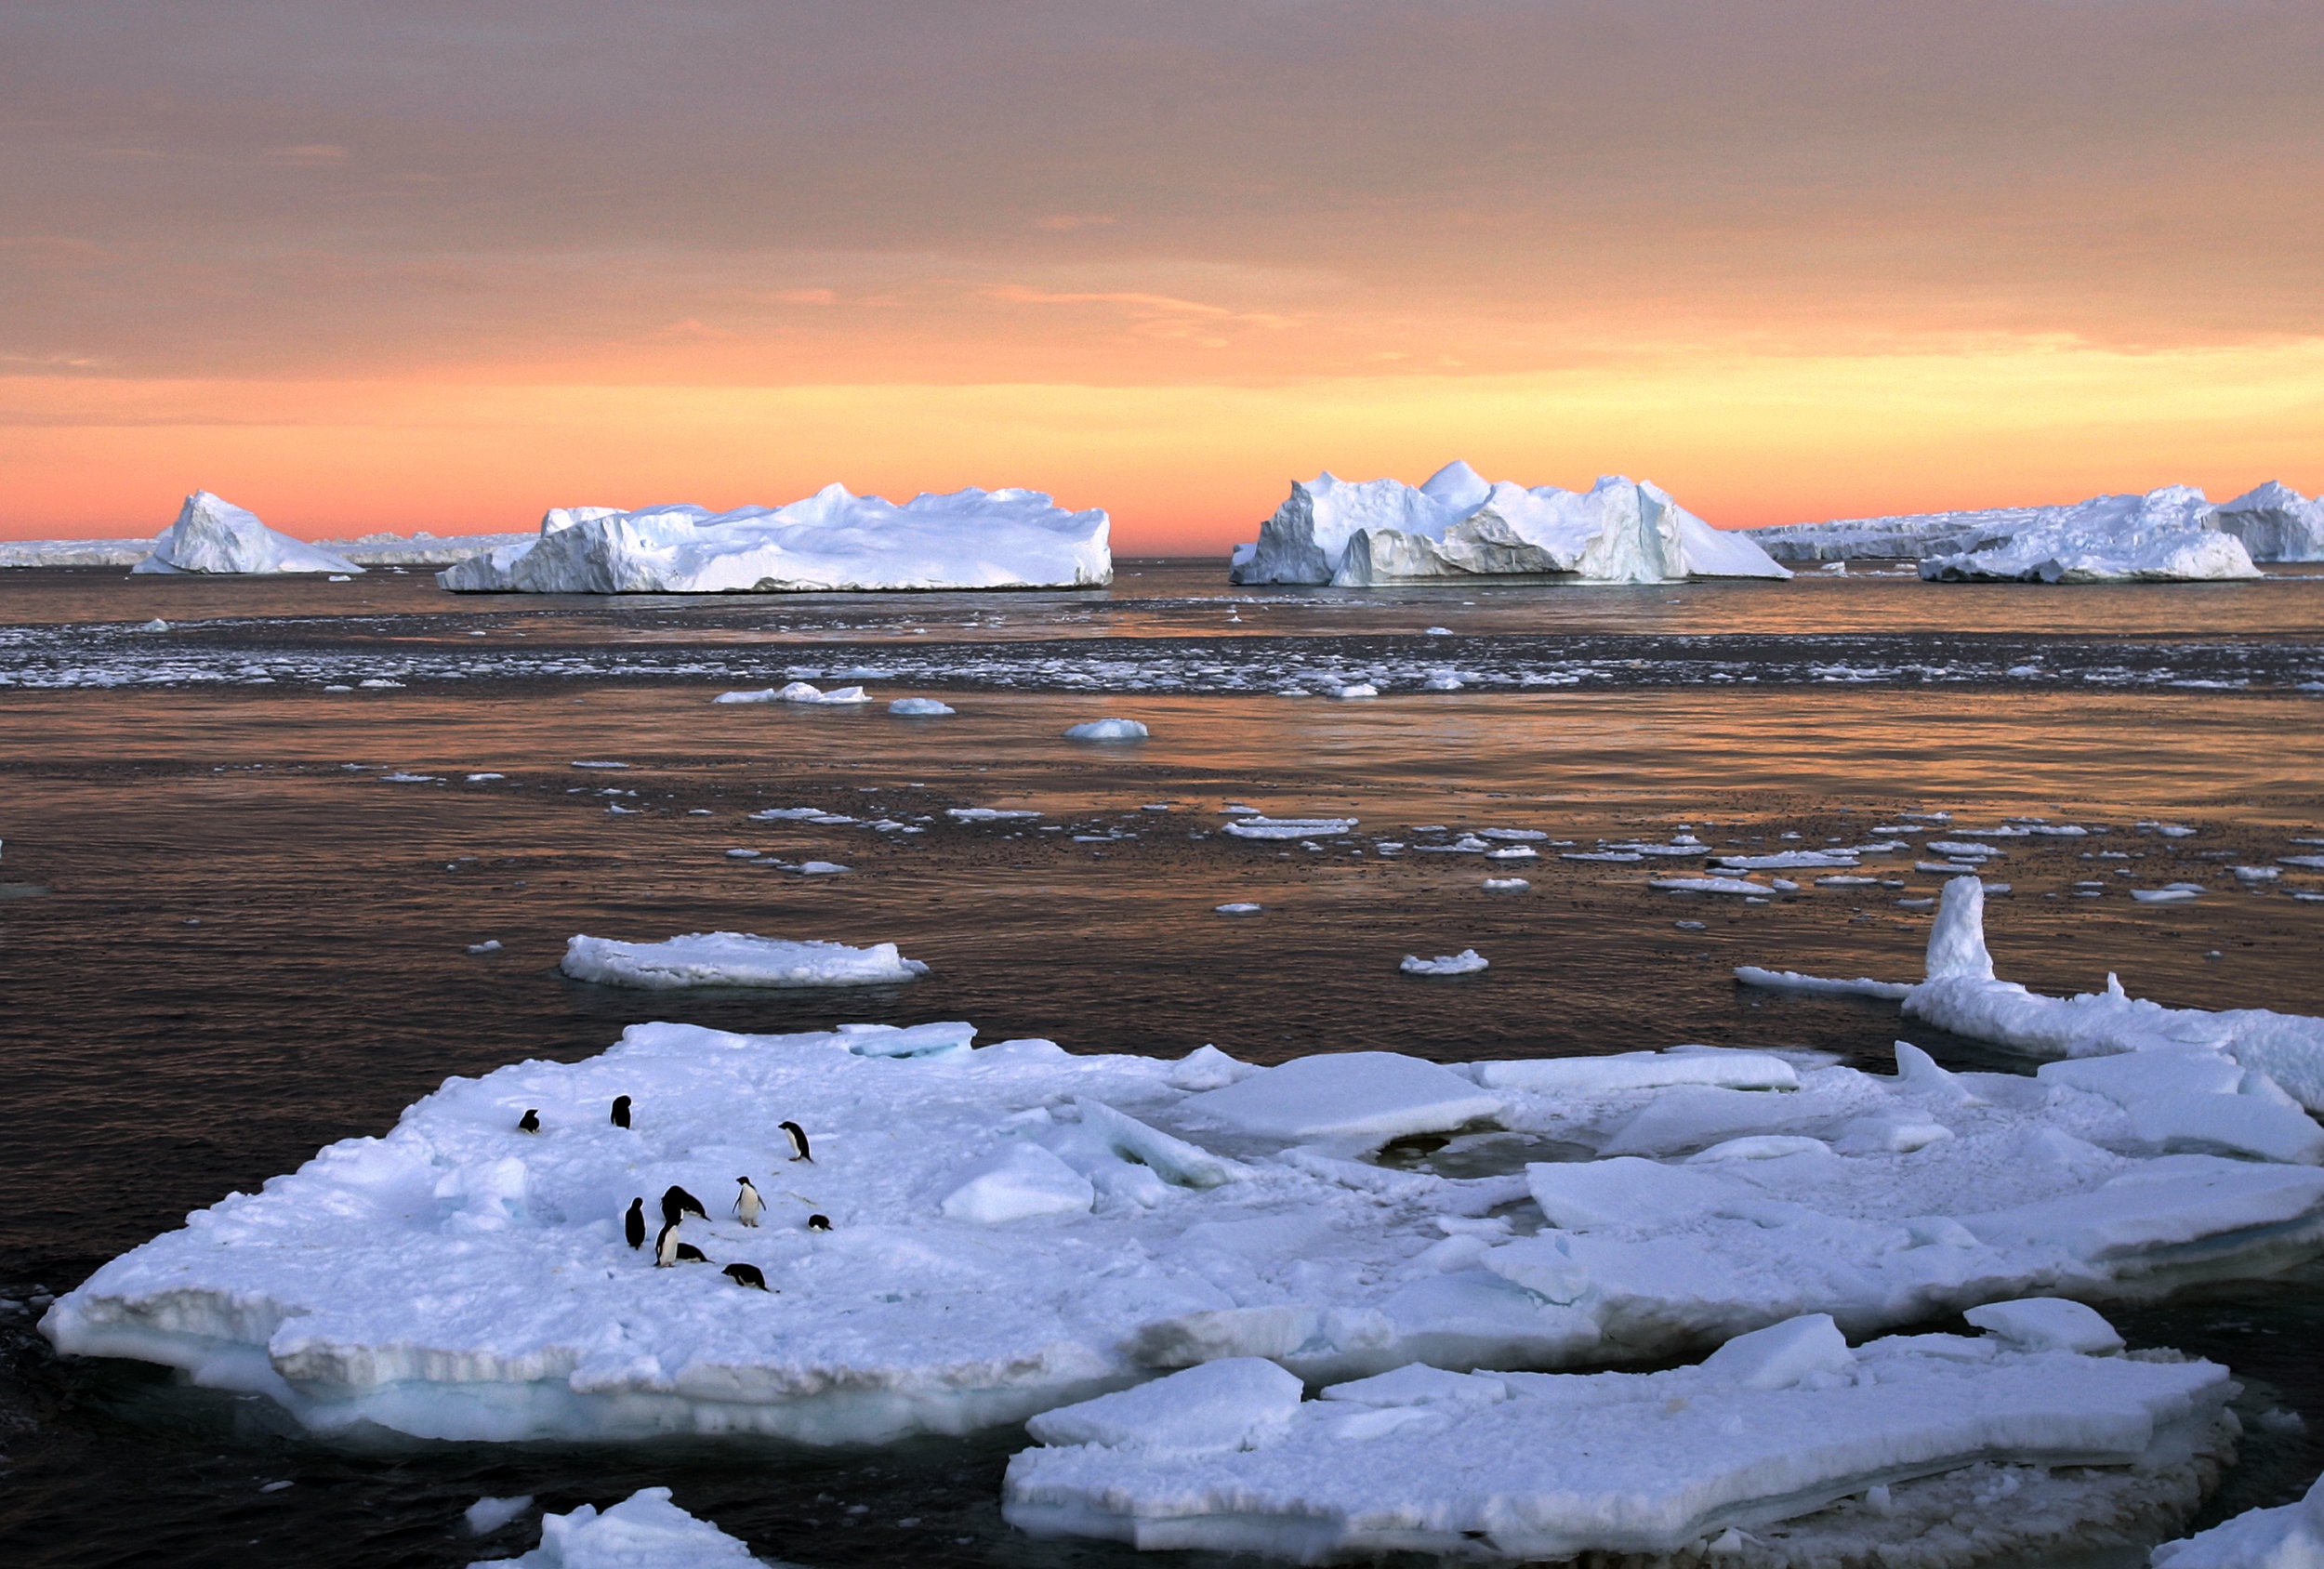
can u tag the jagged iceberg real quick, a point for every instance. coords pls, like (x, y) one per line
(831, 541)
(1014, 1228)
(1356, 533)
(2167, 536)
(2276, 523)
(1744, 1455)
(645, 1531)
(213, 535)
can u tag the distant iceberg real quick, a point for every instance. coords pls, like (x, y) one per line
(832, 541)
(2276, 523)
(1358, 533)
(2167, 536)
(214, 535)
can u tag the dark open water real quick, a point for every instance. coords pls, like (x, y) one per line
(222, 946)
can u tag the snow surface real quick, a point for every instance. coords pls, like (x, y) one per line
(214, 535)
(645, 1531)
(1962, 995)
(1775, 1425)
(2291, 1536)
(460, 1279)
(2276, 523)
(734, 958)
(832, 540)
(1358, 533)
(2165, 536)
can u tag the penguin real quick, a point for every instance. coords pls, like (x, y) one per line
(676, 1204)
(621, 1111)
(745, 1274)
(668, 1250)
(530, 1121)
(818, 1222)
(633, 1223)
(748, 1203)
(799, 1142)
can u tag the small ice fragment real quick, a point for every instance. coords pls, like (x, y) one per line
(1505, 885)
(920, 707)
(1466, 962)
(490, 945)
(488, 1515)
(1107, 730)
(1238, 908)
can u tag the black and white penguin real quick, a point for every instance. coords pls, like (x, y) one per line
(530, 1121)
(633, 1223)
(818, 1222)
(748, 1203)
(621, 1111)
(668, 1250)
(745, 1274)
(799, 1142)
(676, 1204)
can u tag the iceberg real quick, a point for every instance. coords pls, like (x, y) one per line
(645, 1531)
(213, 535)
(1107, 729)
(2167, 536)
(735, 958)
(1765, 1436)
(1962, 995)
(1014, 1228)
(2290, 1537)
(2276, 523)
(831, 541)
(1356, 533)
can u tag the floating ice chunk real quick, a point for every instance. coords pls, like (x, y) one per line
(1513, 852)
(799, 691)
(2175, 894)
(1216, 1406)
(988, 813)
(1792, 980)
(1255, 826)
(1761, 1439)
(2256, 873)
(1505, 885)
(2165, 536)
(1957, 948)
(830, 541)
(488, 1515)
(1239, 907)
(920, 707)
(2043, 1323)
(490, 945)
(1785, 859)
(211, 535)
(156, 624)
(1374, 1096)
(1723, 1066)
(1018, 1183)
(819, 868)
(1107, 730)
(1458, 524)
(1710, 885)
(2290, 1537)
(645, 1531)
(734, 958)
(1466, 962)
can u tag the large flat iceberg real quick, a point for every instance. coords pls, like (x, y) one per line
(1744, 1455)
(1013, 1228)
(734, 958)
(214, 535)
(2165, 536)
(1356, 533)
(832, 540)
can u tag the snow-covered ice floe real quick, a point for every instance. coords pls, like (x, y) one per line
(1962, 995)
(1257, 827)
(1743, 1455)
(920, 708)
(1014, 1228)
(214, 535)
(1466, 962)
(2290, 1537)
(735, 958)
(2165, 536)
(800, 691)
(645, 1531)
(1792, 980)
(831, 541)
(1356, 533)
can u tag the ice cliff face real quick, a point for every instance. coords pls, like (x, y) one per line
(1356, 533)
(833, 540)
(2165, 536)
(2276, 523)
(214, 535)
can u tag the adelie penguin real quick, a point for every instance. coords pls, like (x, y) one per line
(621, 1111)
(530, 1121)
(799, 1142)
(676, 1204)
(818, 1222)
(668, 1250)
(633, 1223)
(748, 1203)
(745, 1274)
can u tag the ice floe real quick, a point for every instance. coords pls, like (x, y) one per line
(799, 691)
(1792, 980)
(1356, 533)
(645, 1531)
(734, 958)
(215, 537)
(832, 540)
(2289, 1537)
(1253, 825)
(920, 708)
(1107, 729)
(1758, 1441)
(1466, 962)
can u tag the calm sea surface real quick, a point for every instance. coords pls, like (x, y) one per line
(235, 905)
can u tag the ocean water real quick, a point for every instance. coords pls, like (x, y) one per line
(235, 905)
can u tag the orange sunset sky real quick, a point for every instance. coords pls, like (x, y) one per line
(438, 266)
